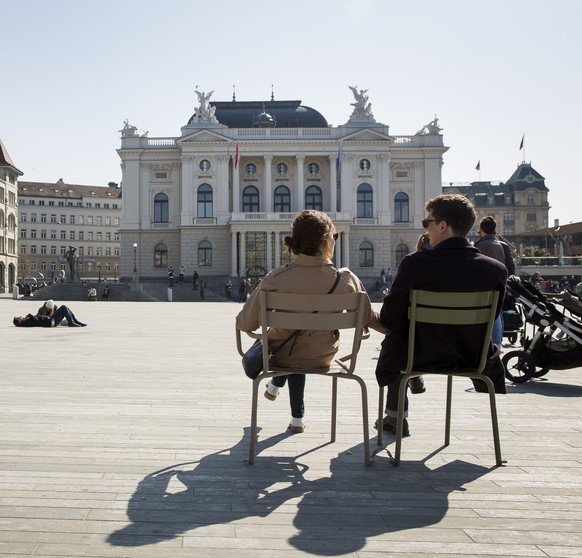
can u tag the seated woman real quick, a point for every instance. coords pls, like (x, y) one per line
(92, 294)
(312, 240)
(62, 313)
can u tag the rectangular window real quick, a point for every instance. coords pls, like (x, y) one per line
(90, 235)
(71, 219)
(63, 250)
(532, 217)
(89, 250)
(33, 217)
(43, 217)
(51, 203)
(99, 220)
(108, 220)
(63, 219)
(81, 220)
(53, 234)
(23, 217)
(53, 218)
(53, 250)
(81, 250)
(72, 235)
(22, 233)
(81, 235)
(43, 234)
(43, 266)
(33, 249)
(43, 250)
(23, 249)
(33, 233)
(63, 235)
(99, 236)
(90, 220)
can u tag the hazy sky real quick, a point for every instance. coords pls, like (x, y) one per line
(492, 70)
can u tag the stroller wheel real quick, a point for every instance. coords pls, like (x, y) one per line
(541, 372)
(519, 366)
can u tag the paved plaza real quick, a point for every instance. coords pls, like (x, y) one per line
(128, 438)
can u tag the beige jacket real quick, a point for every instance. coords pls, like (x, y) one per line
(306, 275)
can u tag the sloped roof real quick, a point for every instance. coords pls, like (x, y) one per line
(5, 160)
(284, 114)
(61, 190)
(525, 176)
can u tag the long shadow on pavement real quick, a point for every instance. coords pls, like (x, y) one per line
(333, 516)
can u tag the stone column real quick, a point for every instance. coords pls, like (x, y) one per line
(186, 213)
(384, 193)
(268, 205)
(298, 202)
(345, 249)
(332, 183)
(277, 249)
(236, 188)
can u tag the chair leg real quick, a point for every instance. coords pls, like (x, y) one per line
(380, 415)
(333, 407)
(400, 420)
(253, 442)
(366, 426)
(494, 422)
(448, 411)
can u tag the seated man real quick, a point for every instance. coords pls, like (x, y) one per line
(92, 293)
(452, 265)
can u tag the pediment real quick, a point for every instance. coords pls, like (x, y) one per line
(368, 135)
(204, 136)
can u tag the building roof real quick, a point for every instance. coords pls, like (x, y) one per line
(5, 160)
(525, 176)
(61, 190)
(257, 114)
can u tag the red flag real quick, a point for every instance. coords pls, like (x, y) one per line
(478, 167)
(521, 144)
(236, 157)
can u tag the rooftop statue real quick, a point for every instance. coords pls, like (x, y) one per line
(205, 111)
(433, 126)
(362, 108)
(128, 131)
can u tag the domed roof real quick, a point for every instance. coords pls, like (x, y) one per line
(280, 114)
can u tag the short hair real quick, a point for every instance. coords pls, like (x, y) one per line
(488, 225)
(456, 210)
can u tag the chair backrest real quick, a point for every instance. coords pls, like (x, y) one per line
(325, 312)
(452, 308)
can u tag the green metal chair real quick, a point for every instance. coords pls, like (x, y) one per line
(447, 308)
(312, 312)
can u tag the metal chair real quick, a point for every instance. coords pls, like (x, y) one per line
(447, 308)
(309, 312)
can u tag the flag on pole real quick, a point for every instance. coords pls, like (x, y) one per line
(478, 167)
(339, 156)
(521, 144)
(236, 157)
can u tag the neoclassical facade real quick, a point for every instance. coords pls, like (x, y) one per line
(8, 220)
(220, 197)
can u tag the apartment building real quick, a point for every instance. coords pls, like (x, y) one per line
(56, 216)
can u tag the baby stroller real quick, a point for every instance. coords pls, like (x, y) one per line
(556, 342)
(512, 314)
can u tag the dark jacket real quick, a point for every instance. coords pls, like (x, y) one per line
(453, 265)
(36, 321)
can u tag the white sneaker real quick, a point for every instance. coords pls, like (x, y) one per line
(297, 425)
(272, 391)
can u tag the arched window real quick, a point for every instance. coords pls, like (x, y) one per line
(11, 222)
(204, 201)
(250, 199)
(401, 251)
(282, 200)
(204, 254)
(314, 198)
(365, 198)
(160, 255)
(161, 208)
(401, 205)
(366, 254)
(1, 219)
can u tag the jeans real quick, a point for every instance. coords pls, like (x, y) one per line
(296, 391)
(497, 332)
(63, 312)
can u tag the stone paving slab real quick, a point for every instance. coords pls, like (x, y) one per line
(129, 438)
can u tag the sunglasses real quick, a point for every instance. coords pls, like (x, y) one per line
(335, 235)
(425, 222)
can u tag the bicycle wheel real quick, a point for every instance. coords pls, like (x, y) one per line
(519, 366)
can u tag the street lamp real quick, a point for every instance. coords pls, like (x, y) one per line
(99, 268)
(135, 262)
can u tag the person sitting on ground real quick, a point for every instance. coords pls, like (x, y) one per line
(312, 241)
(60, 314)
(48, 308)
(453, 265)
(106, 293)
(92, 293)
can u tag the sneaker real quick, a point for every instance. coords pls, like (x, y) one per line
(416, 385)
(389, 424)
(297, 425)
(272, 391)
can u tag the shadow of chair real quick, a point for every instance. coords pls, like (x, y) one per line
(309, 312)
(446, 309)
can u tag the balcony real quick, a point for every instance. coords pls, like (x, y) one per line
(272, 216)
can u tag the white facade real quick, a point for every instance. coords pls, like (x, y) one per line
(185, 203)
